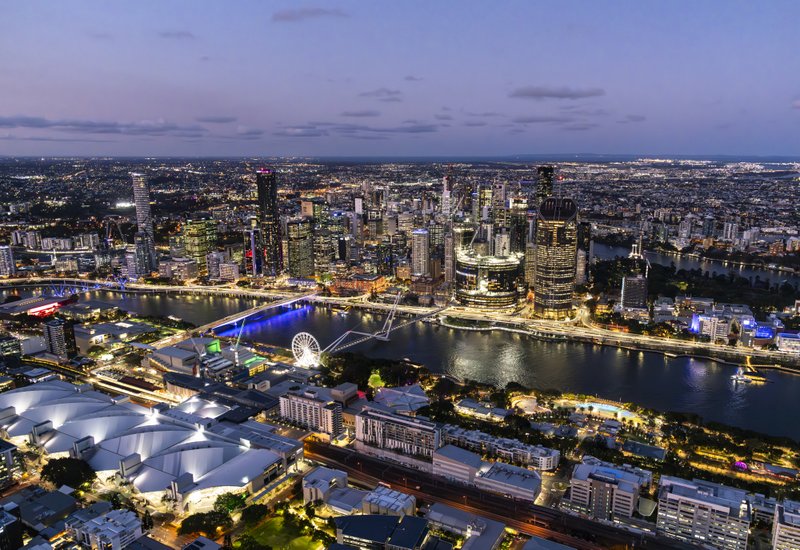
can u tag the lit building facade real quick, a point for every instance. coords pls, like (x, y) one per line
(487, 281)
(269, 221)
(300, 247)
(556, 258)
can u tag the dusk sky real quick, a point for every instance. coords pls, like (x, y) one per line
(399, 78)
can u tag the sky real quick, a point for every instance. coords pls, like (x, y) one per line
(409, 78)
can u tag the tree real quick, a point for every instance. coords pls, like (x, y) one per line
(247, 542)
(72, 472)
(208, 523)
(147, 521)
(229, 502)
(254, 513)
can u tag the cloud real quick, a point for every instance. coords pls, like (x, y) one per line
(384, 94)
(158, 127)
(205, 58)
(443, 117)
(304, 14)
(542, 119)
(361, 114)
(412, 78)
(248, 133)
(632, 118)
(796, 104)
(580, 126)
(216, 119)
(584, 111)
(360, 129)
(300, 131)
(485, 114)
(561, 92)
(44, 138)
(475, 123)
(176, 35)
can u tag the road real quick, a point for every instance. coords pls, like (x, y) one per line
(549, 523)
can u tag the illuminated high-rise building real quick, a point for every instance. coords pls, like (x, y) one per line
(556, 254)
(144, 222)
(59, 338)
(544, 187)
(300, 248)
(420, 253)
(269, 221)
(7, 266)
(199, 239)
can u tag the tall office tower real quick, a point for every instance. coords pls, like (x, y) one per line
(484, 202)
(252, 246)
(267, 184)
(59, 338)
(518, 223)
(324, 252)
(420, 253)
(499, 196)
(556, 256)
(634, 291)
(447, 196)
(140, 267)
(530, 263)
(199, 239)
(582, 268)
(449, 258)
(704, 513)
(7, 266)
(544, 188)
(300, 243)
(144, 220)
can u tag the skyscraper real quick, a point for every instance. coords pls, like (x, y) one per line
(59, 337)
(544, 188)
(144, 222)
(7, 266)
(420, 253)
(269, 220)
(200, 238)
(300, 237)
(556, 250)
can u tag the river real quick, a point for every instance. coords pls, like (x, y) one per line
(650, 379)
(606, 252)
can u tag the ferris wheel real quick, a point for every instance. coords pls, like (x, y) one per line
(306, 350)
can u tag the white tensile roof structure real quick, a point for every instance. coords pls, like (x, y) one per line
(158, 449)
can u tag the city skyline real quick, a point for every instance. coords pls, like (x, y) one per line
(355, 79)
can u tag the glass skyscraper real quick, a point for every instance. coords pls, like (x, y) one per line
(269, 221)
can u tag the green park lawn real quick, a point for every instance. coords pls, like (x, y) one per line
(278, 534)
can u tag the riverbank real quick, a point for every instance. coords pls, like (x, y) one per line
(554, 331)
(545, 330)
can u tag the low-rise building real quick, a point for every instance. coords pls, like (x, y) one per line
(470, 407)
(114, 530)
(512, 481)
(456, 463)
(386, 501)
(510, 450)
(319, 482)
